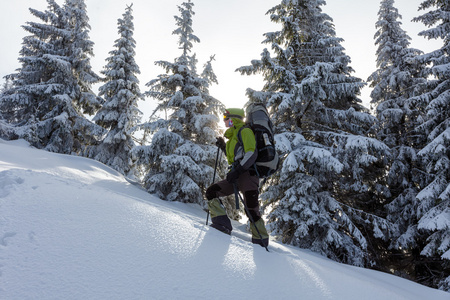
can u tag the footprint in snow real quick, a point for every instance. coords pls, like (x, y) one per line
(7, 181)
(3, 240)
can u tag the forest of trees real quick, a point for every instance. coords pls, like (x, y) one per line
(370, 189)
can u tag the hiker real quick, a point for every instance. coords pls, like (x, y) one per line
(241, 158)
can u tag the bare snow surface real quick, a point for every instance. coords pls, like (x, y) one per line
(72, 228)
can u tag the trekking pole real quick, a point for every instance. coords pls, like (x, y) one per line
(238, 196)
(214, 179)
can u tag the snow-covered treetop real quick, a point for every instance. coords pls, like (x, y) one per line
(184, 30)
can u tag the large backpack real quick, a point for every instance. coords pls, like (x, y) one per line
(258, 120)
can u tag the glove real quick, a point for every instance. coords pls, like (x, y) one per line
(220, 143)
(234, 174)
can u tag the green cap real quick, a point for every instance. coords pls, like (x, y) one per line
(234, 113)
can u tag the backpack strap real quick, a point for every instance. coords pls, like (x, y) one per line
(239, 136)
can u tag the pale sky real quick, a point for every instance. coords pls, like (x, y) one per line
(231, 30)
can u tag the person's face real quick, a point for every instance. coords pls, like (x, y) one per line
(228, 122)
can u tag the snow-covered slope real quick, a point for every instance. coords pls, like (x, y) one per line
(72, 228)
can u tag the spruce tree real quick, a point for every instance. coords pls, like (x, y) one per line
(79, 52)
(48, 95)
(183, 127)
(6, 130)
(433, 206)
(121, 92)
(321, 197)
(396, 81)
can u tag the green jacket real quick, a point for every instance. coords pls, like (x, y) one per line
(244, 154)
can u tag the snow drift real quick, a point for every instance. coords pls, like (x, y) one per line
(72, 228)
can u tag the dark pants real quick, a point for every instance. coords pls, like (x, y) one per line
(247, 184)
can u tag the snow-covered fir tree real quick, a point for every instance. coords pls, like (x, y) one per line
(79, 51)
(433, 210)
(121, 92)
(184, 125)
(322, 196)
(50, 92)
(6, 86)
(399, 77)
(6, 130)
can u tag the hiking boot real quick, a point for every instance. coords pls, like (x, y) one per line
(221, 228)
(262, 243)
(256, 236)
(219, 218)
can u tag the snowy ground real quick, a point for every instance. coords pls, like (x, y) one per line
(71, 228)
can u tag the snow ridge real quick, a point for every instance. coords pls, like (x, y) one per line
(72, 228)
